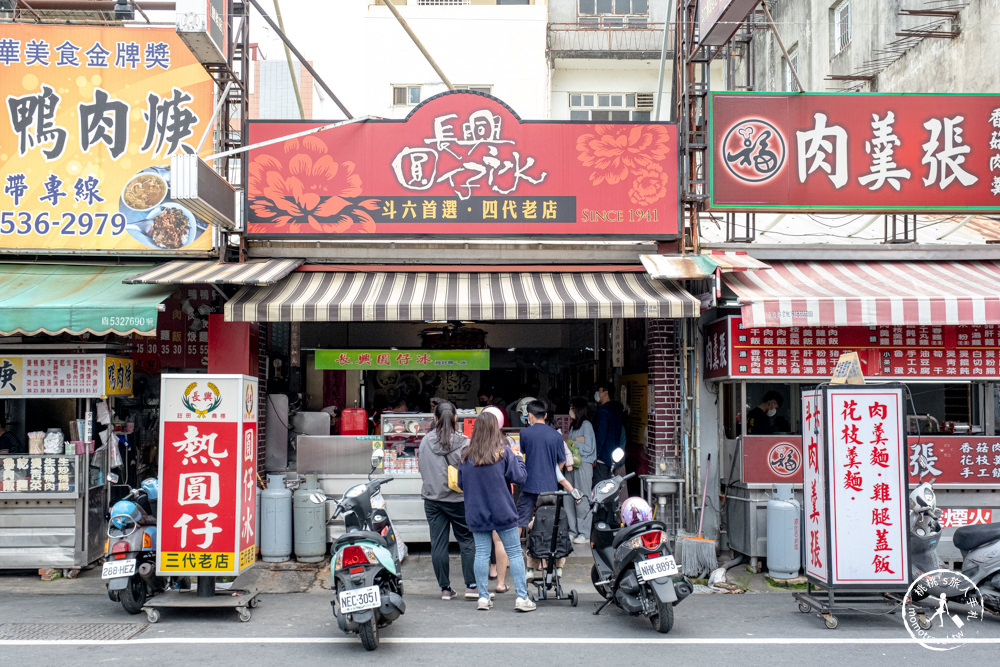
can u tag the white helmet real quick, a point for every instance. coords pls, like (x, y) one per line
(522, 408)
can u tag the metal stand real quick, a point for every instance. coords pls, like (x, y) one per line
(203, 597)
(826, 602)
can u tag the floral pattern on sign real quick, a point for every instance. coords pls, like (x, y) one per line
(308, 187)
(617, 153)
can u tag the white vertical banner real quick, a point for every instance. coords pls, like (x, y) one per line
(866, 455)
(814, 488)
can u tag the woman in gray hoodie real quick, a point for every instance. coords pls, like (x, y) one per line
(445, 509)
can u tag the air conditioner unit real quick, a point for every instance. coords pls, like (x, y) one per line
(644, 101)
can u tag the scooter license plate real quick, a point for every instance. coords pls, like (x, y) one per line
(656, 567)
(360, 598)
(113, 569)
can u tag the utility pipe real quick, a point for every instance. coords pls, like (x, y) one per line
(416, 41)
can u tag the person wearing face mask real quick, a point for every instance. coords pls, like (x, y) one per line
(608, 431)
(759, 419)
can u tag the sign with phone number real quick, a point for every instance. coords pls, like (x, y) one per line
(23, 223)
(90, 117)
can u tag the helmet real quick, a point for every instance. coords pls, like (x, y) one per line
(151, 486)
(125, 518)
(635, 510)
(496, 412)
(522, 408)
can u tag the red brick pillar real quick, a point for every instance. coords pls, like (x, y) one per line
(662, 441)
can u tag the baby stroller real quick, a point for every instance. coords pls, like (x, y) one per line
(548, 539)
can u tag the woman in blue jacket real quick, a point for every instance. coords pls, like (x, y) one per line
(488, 467)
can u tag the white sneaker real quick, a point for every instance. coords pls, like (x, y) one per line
(484, 604)
(524, 604)
(580, 539)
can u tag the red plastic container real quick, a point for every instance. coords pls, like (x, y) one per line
(354, 421)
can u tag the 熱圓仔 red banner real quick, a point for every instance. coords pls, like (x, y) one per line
(855, 152)
(463, 164)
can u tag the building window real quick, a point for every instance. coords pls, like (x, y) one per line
(605, 107)
(791, 66)
(475, 89)
(405, 95)
(841, 26)
(613, 13)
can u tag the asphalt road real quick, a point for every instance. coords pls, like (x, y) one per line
(754, 628)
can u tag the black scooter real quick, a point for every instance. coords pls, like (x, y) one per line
(633, 565)
(365, 561)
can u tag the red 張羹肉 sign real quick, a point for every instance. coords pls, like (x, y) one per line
(855, 152)
(463, 164)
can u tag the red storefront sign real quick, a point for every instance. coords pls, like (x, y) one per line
(855, 152)
(815, 512)
(954, 461)
(181, 340)
(206, 510)
(464, 164)
(884, 351)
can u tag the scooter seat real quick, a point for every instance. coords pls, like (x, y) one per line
(970, 537)
(629, 532)
(361, 536)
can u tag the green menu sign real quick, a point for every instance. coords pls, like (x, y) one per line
(403, 360)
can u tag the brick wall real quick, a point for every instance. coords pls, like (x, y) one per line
(662, 441)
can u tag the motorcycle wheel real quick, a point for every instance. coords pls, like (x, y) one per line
(133, 596)
(369, 635)
(663, 620)
(595, 576)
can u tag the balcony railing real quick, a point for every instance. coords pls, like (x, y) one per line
(575, 40)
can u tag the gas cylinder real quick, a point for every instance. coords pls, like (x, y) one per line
(276, 521)
(309, 520)
(783, 545)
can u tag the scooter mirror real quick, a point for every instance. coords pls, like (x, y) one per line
(618, 455)
(317, 497)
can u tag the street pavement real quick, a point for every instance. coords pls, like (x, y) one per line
(296, 624)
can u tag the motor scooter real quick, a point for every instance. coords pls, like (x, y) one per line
(365, 561)
(633, 565)
(130, 550)
(979, 545)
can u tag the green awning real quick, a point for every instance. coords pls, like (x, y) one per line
(75, 299)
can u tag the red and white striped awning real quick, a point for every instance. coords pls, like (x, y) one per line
(868, 293)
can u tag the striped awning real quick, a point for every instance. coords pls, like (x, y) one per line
(252, 272)
(868, 294)
(308, 296)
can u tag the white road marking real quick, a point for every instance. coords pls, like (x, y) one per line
(666, 641)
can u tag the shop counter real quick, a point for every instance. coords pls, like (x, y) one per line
(51, 511)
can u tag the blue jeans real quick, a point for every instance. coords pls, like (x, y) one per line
(512, 545)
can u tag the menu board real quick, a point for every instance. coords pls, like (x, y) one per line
(884, 351)
(26, 473)
(64, 376)
(867, 481)
(181, 339)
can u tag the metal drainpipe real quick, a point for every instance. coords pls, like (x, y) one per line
(685, 460)
(696, 393)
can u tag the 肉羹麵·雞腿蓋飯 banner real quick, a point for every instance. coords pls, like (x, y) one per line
(842, 152)
(464, 164)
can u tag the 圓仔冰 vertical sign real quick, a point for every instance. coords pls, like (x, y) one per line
(866, 459)
(208, 471)
(814, 488)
